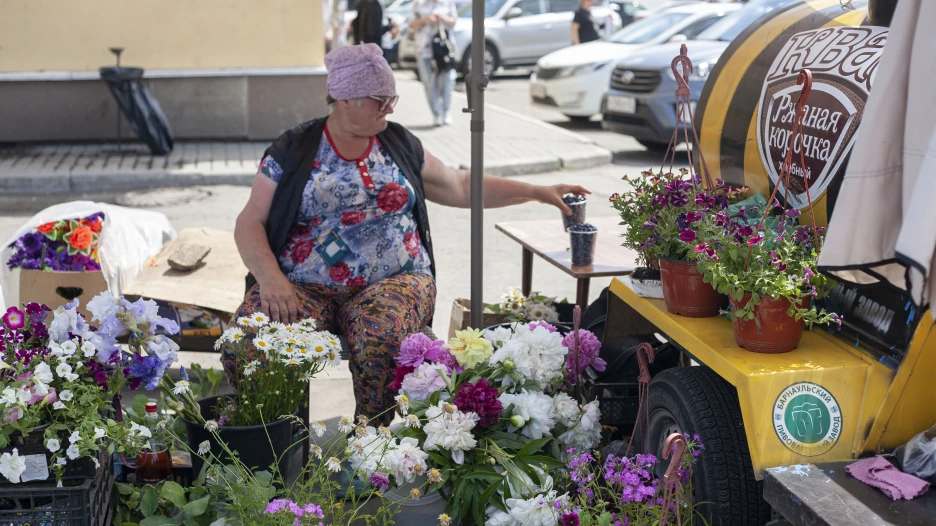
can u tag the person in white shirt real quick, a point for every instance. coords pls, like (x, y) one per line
(428, 18)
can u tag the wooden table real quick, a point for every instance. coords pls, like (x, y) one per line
(547, 239)
(823, 494)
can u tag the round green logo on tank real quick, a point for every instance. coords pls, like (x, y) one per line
(807, 419)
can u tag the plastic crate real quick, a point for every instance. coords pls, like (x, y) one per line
(89, 503)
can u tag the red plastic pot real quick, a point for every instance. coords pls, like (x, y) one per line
(772, 330)
(685, 293)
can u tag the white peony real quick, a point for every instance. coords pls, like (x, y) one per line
(498, 335)
(538, 355)
(538, 511)
(368, 451)
(536, 408)
(496, 517)
(12, 466)
(450, 429)
(586, 435)
(567, 410)
(540, 311)
(406, 461)
(424, 380)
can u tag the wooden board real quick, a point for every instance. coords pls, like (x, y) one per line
(547, 239)
(218, 284)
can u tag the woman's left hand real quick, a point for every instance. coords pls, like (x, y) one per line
(552, 195)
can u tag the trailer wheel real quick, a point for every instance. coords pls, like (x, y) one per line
(695, 400)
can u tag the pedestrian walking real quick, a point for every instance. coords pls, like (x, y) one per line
(429, 18)
(369, 26)
(583, 27)
(336, 227)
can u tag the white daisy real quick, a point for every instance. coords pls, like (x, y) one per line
(412, 421)
(182, 386)
(259, 319)
(345, 425)
(334, 464)
(211, 426)
(204, 448)
(316, 451)
(318, 427)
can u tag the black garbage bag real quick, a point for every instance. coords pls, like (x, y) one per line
(139, 107)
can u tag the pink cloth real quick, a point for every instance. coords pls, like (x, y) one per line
(356, 72)
(881, 474)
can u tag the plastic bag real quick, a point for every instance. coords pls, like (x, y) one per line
(129, 237)
(918, 456)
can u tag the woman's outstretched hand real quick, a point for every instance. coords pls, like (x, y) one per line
(278, 299)
(552, 195)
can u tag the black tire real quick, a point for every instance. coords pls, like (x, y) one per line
(695, 400)
(578, 119)
(492, 66)
(653, 146)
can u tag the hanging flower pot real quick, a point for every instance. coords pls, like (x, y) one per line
(685, 293)
(772, 330)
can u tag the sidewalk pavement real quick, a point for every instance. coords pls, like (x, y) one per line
(514, 145)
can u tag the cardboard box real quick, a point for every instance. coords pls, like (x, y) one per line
(58, 288)
(461, 317)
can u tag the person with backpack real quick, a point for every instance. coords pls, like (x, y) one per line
(435, 57)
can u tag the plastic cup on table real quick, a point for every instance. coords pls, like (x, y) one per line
(583, 238)
(577, 204)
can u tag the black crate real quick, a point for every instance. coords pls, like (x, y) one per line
(88, 503)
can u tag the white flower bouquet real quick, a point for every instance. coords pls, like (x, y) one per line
(494, 414)
(60, 380)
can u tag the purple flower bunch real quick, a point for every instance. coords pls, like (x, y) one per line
(55, 246)
(419, 348)
(588, 348)
(631, 477)
(309, 510)
(663, 210)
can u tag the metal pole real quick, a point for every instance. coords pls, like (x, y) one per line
(117, 51)
(477, 83)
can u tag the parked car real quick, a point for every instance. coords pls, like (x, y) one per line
(575, 79)
(518, 32)
(641, 101)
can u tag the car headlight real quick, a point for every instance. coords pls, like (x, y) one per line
(584, 69)
(702, 70)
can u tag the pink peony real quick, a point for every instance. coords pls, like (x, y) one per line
(417, 348)
(588, 348)
(542, 324)
(424, 380)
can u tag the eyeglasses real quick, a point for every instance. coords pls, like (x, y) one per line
(386, 103)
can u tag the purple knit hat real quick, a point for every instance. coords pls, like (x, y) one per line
(355, 72)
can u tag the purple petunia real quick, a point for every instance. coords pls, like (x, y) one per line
(687, 236)
(14, 319)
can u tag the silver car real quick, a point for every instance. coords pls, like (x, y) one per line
(518, 32)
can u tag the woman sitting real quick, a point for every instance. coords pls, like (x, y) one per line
(336, 227)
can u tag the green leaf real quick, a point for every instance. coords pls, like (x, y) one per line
(196, 507)
(174, 493)
(149, 502)
(124, 489)
(533, 446)
(214, 376)
(157, 520)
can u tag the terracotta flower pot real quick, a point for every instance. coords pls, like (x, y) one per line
(772, 330)
(685, 293)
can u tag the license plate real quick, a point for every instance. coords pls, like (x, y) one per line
(684, 116)
(538, 91)
(619, 104)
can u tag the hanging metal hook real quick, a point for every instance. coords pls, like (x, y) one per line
(682, 81)
(645, 356)
(805, 78)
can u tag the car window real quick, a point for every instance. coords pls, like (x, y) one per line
(530, 7)
(563, 6)
(732, 25)
(699, 26)
(491, 7)
(648, 28)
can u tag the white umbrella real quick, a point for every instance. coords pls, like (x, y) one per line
(883, 228)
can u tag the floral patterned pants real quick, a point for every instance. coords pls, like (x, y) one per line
(374, 319)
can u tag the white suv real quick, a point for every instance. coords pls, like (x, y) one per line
(518, 32)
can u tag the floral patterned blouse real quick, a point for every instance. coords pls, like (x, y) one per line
(355, 224)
